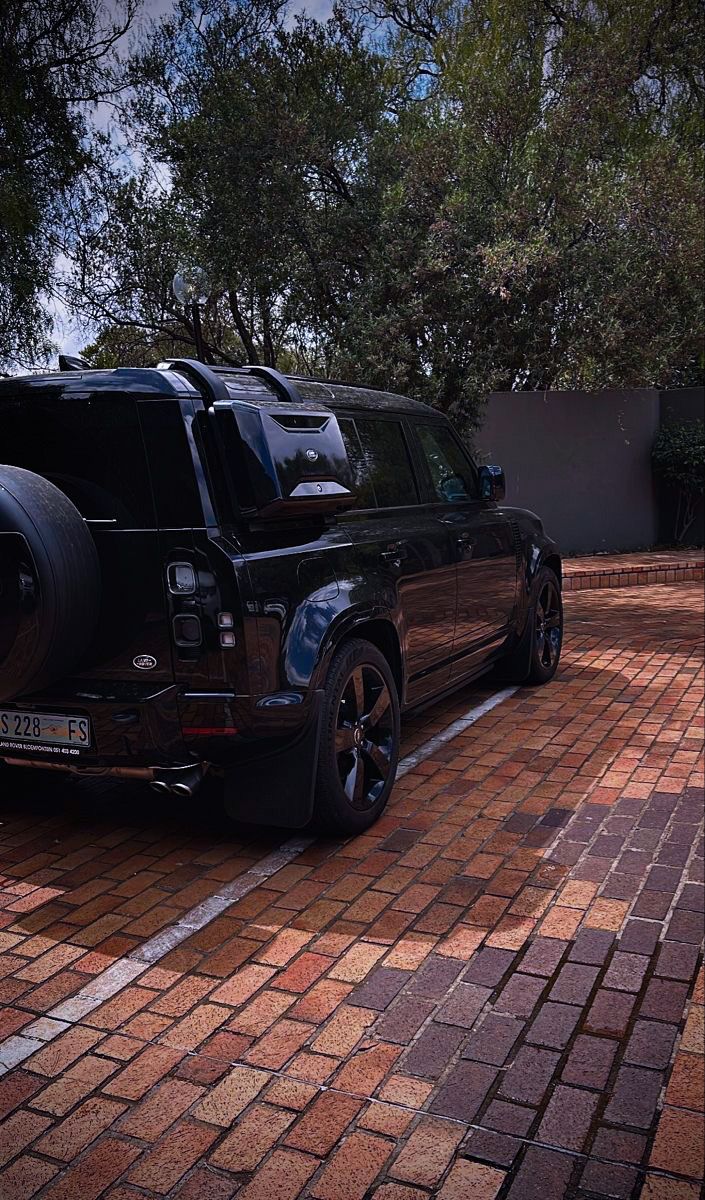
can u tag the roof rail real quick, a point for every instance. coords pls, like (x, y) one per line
(205, 380)
(283, 386)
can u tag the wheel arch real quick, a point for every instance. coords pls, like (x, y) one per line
(381, 633)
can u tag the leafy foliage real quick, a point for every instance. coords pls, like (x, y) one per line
(54, 61)
(678, 458)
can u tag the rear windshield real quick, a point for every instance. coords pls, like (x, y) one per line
(90, 447)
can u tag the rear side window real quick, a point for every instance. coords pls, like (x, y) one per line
(385, 462)
(363, 483)
(90, 448)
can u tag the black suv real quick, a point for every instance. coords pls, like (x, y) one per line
(226, 569)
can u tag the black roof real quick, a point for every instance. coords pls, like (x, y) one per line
(232, 382)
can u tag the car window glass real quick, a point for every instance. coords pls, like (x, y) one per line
(89, 447)
(363, 484)
(387, 462)
(452, 475)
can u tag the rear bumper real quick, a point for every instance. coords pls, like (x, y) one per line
(131, 727)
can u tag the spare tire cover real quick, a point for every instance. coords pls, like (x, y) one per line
(49, 583)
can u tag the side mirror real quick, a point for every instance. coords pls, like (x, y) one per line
(492, 483)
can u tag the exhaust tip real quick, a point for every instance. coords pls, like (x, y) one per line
(158, 785)
(181, 789)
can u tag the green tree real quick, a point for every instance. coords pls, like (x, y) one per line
(54, 62)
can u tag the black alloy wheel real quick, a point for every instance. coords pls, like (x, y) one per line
(359, 748)
(547, 622)
(364, 736)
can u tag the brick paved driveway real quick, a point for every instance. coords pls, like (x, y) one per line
(494, 993)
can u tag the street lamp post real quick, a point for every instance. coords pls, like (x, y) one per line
(191, 290)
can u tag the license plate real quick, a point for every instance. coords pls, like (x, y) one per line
(48, 728)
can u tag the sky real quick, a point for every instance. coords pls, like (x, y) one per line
(69, 334)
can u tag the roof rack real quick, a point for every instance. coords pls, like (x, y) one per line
(198, 373)
(283, 386)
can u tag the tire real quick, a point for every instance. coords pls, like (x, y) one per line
(546, 624)
(358, 757)
(49, 584)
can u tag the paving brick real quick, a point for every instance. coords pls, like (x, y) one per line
(635, 1097)
(609, 1013)
(651, 1044)
(435, 976)
(609, 1179)
(434, 1050)
(543, 956)
(379, 988)
(25, 1177)
(72, 1135)
(59, 1054)
(362, 1074)
(230, 1097)
(159, 1109)
(677, 960)
(353, 1168)
(143, 1072)
(508, 1118)
(591, 946)
(190, 1032)
(554, 1025)
(679, 1145)
(324, 1123)
(590, 1062)
(402, 1089)
(463, 1006)
(160, 1168)
(520, 995)
(357, 962)
(471, 1181)
(497, 1148)
(640, 937)
(427, 1153)
(282, 1177)
(73, 1085)
(619, 1145)
(18, 1131)
(322, 1000)
(344, 1030)
(530, 1074)
(254, 1135)
(93, 1173)
(464, 1091)
(261, 1013)
(626, 972)
(665, 1000)
(403, 1020)
(686, 927)
(686, 1087)
(543, 1175)
(386, 1119)
(567, 1118)
(15, 1088)
(573, 984)
(201, 1184)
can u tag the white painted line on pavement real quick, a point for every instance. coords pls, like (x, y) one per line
(17, 1048)
(451, 731)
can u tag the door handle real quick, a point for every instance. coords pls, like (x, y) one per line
(394, 554)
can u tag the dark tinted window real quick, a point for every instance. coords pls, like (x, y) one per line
(452, 474)
(387, 462)
(90, 448)
(363, 484)
(173, 476)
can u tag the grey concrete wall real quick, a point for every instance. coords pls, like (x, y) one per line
(581, 460)
(681, 406)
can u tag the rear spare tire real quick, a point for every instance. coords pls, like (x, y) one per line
(49, 583)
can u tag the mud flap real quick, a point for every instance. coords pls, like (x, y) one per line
(278, 788)
(514, 667)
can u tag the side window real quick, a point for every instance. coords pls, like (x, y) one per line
(386, 460)
(452, 474)
(358, 465)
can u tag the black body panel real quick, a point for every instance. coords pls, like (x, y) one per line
(222, 603)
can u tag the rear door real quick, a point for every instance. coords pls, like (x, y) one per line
(482, 545)
(401, 543)
(90, 445)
